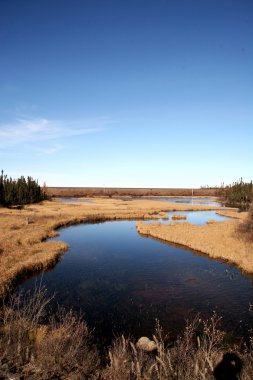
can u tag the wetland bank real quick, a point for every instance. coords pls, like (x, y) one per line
(27, 250)
(119, 279)
(24, 232)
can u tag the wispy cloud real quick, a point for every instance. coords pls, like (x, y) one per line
(50, 149)
(41, 129)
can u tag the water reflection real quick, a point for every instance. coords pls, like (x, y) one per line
(207, 201)
(72, 200)
(123, 282)
(198, 218)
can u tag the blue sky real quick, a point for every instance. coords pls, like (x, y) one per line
(130, 93)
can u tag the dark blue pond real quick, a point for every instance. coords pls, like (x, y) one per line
(122, 282)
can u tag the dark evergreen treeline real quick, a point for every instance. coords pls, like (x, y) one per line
(238, 194)
(19, 191)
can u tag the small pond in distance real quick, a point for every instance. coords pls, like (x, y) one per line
(72, 200)
(122, 282)
(205, 201)
(198, 218)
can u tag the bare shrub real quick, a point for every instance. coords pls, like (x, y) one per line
(126, 362)
(15, 227)
(65, 348)
(60, 349)
(245, 229)
(19, 319)
(247, 369)
(194, 355)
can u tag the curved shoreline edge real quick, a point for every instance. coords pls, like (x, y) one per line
(25, 250)
(217, 240)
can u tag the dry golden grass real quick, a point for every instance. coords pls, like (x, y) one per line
(163, 215)
(178, 216)
(218, 240)
(64, 349)
(233, 214)
(192, 356)
(23, 249)
(61, 349)
(245, 229)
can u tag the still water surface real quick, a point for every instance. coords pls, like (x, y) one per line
(207, 201)
(72, 200)
(198, 218)
(122, 282)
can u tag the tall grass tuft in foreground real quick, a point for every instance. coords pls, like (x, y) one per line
(60, 347)
(194, 355)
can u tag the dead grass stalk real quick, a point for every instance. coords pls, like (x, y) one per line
(62, 348)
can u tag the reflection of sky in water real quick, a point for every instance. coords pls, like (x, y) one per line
(72, 200)
(194, 201)
(194, 217)
(206, 201)
(123, 282)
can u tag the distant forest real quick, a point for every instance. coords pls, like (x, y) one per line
(240, 193)
(19, 191)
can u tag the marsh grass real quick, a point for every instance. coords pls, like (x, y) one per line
(61, 348)
(245, 229)
(35, 344)
(23, 233)
(217, 240)
(194, 355)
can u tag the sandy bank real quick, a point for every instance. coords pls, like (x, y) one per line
(218, 240)
(23, 249)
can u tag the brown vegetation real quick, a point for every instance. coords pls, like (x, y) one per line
(131, 192)
(193, 355)
(217, 240)
(163, 215)
(232, 214)
(60, 349)
(23, 249)
(63, 349)
(178, 217)
(245, 229)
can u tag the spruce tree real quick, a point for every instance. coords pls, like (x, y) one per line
(20, 191)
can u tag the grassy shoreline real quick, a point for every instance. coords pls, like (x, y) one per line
(218, 240)
(64, 346)
(23, 246)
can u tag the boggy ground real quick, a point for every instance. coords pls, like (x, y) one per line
(219, 240)
(64, 348)
(23, 249)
